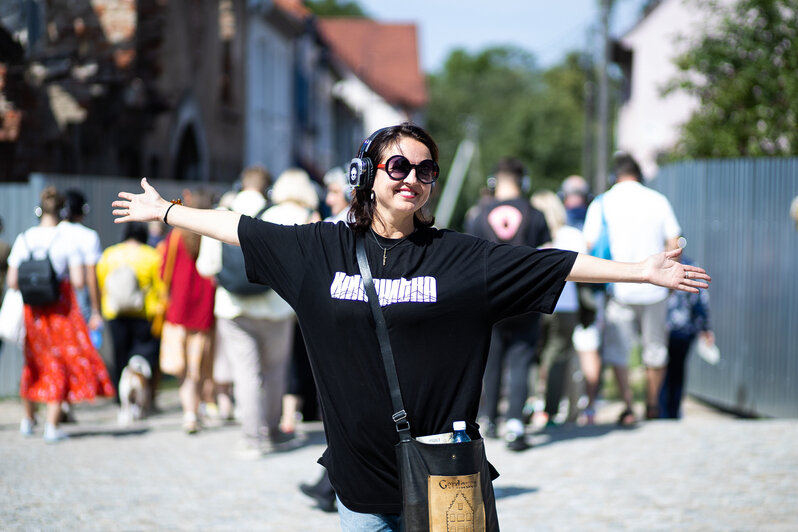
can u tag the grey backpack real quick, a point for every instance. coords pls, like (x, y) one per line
(123, 294)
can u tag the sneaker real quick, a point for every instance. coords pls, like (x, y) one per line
(283, 441)
(190, 423)
(249, 449)
(26, 426)
(516, 442)
(514, 426)
(209, 411)
(53, 434)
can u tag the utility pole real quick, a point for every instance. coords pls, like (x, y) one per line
(467, 150)
(588, 133)
(602, 146)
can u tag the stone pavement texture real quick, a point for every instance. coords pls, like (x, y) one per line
(708, 471)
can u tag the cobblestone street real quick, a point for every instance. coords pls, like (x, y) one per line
(709, 471)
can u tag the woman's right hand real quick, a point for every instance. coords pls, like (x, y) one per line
(145, 207)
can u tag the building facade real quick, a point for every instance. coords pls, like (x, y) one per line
(186, 90)
(648, 121)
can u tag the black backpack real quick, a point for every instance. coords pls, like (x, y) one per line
(37, 280)
(233, 275)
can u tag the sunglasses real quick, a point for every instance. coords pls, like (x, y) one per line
(398, 167)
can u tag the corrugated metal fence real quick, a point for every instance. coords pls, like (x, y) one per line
(17, 204)
(735, 216)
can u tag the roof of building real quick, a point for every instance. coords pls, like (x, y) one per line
(383, 56)
(295, 7)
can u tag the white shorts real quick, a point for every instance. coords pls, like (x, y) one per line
(625, 324)
(586, 338)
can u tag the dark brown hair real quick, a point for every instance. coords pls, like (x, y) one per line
(511, 166)
(625, 165)
(363, 210)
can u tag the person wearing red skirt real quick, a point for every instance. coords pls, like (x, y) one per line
(60, 362)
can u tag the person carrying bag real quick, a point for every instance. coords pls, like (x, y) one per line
(440, 292)
(442, 484)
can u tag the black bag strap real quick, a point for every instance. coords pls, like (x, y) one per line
(400, 415)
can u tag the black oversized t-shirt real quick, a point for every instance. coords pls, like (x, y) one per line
(440, 291)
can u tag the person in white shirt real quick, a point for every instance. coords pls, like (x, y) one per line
(87, 245)
(640, 221)
(556, 346)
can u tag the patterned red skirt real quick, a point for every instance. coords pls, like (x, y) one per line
(61, 363)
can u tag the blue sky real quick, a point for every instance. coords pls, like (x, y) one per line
(547, 28)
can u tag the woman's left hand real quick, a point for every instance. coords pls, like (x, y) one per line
(147, 206)
(663, 269)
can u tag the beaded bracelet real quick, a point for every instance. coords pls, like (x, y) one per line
(173, 203)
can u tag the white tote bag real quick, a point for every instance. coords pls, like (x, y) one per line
(12, 318)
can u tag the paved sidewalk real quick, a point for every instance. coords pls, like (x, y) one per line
(707, 472)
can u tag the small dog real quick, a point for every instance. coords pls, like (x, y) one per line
(134, 390)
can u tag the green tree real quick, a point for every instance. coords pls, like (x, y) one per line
(334, 8)
(744, 76)
(519, 110)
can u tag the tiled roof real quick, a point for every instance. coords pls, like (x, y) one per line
(383, 56)
(295, 7)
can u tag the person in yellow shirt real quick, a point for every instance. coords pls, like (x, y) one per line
(128, 275)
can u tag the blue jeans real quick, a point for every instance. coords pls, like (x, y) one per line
(358, 522)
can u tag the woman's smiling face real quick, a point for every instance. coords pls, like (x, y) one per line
(398, 199)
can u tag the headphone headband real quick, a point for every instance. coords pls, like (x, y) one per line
(366, 143)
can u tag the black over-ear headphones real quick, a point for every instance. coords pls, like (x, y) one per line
(361, 168)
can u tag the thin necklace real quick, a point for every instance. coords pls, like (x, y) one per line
(384, 249)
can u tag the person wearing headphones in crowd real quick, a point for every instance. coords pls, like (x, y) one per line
(441, 292)
(575, 195)
(87, 244)
(339, 195)
(556, 329)
(509, 218)
(640, 222)
(61, 365)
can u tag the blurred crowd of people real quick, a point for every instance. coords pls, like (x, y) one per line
(549, 368)
(173, 303)
(162, 299)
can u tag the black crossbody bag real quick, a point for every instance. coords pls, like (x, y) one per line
(444, 486)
